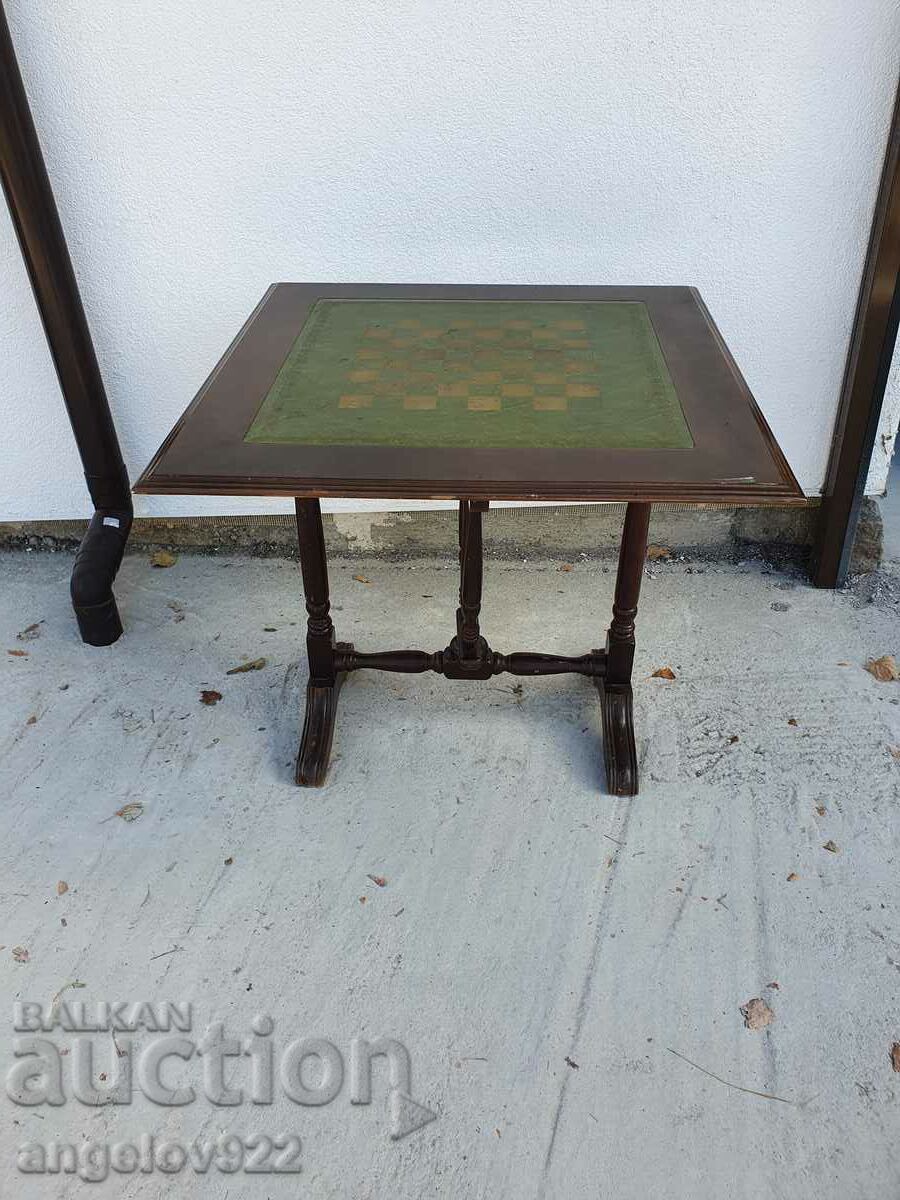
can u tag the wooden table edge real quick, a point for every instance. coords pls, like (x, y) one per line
(336, 489)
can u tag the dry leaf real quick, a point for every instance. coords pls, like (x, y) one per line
(363, 899)
(663, 673)
(361, 579)
(378, 880)
(567, 567)
(129, 812)
(229, 860)
(18, 653)
(61, 888)
(20, 954)
(773, 984)
(793, 721)
(757, 1014)
(30, 632)
(829, 845)
(74, 983)
(162, 558)
(843, 664)
(895, 1056)
(255, 664)
(210, 696)
(657, 552)
(821, 810)
(884, 669)
(894, 752)
(32, 720)
(792, 877)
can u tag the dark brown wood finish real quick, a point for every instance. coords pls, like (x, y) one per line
(469, 647)
(468, 655)
(615, 685)
(416, 662)
(735, 459)
(325, 678)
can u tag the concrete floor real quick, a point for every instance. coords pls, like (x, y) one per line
(545, 952)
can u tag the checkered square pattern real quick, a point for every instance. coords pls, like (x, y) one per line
(425, 366)
(474, 374)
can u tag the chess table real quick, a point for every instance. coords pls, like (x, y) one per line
(475, 394)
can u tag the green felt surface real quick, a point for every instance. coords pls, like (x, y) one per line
(475, 373)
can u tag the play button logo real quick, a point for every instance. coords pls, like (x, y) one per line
(406, 1114)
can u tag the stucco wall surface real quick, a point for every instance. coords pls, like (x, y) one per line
(200, 151)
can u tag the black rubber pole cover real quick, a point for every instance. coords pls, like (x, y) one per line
(96, 565)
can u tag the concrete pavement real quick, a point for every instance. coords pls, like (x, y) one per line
(565, 969)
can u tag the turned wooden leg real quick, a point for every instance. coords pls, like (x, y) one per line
(468, 656)
(619, 748)
(324, 679)
(471, 576)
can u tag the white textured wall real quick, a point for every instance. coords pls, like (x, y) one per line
(201, 150)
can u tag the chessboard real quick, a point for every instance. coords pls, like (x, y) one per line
(474, 373)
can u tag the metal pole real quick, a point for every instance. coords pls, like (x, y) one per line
(36, 220)
(865, 379)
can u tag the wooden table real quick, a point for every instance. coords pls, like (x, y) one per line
(475, 394)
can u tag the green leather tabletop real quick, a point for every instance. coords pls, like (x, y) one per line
(469, 373)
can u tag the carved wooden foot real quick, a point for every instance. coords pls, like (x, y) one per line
(318, 728)
(619, 750)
